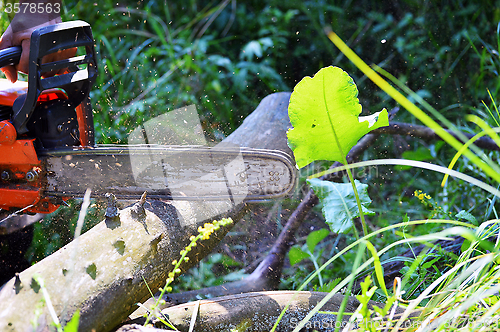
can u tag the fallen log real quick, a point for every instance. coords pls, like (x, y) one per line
(103, 273)
(258, 312)
(110, 268)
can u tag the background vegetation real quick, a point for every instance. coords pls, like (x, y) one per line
(225, 56)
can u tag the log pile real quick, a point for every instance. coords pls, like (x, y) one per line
(106, 271)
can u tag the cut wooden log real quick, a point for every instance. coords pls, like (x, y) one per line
(107, 270)
(266, 127)
(258, 312)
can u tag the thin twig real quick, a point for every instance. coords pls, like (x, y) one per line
(425, 133)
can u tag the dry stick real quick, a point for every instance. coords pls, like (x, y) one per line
(423, 132)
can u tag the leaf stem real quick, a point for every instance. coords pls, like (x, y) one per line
(349, 173)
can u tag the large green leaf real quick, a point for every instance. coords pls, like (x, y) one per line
(322, 105)
(339, 202)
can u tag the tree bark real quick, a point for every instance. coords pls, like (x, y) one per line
(104, 272)
(266, 127)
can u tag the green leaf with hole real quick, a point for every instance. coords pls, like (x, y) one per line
(323, 107)
(339, 202)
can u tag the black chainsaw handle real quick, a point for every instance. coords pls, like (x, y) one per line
(80, 71)
(10, 56)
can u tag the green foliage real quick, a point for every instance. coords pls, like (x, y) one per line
(156, 56)
(4, 20)
(327, 287)
(421, 154)
(324, 114)
(415, 41)
(339, 203)
(369, 321)
(310, 262)
(428, 269)
(296, 255)
(416, 275)
(467, 216)
(316, 237)
(213, 270)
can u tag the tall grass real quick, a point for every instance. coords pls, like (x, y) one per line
(464, 296)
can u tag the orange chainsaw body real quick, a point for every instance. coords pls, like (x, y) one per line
(19, 163)
(44, 114)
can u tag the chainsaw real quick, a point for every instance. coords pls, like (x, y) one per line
(48, 152)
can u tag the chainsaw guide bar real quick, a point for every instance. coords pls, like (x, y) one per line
(169, 172)
(48, 152)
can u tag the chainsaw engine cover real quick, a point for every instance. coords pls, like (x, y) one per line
(54, 124)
